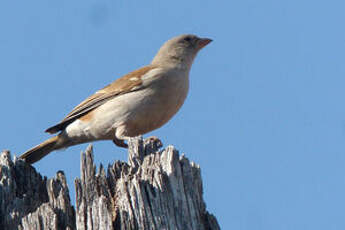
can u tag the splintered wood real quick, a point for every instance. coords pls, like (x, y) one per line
(156, 189)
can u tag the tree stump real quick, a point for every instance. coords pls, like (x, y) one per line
(156, 189)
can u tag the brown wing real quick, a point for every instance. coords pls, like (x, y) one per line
(125, 84)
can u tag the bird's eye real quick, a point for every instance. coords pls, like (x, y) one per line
(188, 39)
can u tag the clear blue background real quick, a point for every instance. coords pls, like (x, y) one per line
(265, 117)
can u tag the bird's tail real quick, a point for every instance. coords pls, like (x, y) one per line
(41, 150)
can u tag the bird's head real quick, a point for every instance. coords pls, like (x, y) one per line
(180, 50)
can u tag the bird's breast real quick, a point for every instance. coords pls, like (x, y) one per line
(156, 105)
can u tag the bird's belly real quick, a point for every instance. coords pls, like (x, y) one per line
(153, 113)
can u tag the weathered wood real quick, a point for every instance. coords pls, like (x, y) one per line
(156, 189)
(30, 201)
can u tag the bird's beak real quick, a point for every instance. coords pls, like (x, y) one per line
(203, 42)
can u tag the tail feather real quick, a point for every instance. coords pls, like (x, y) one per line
(41, 150)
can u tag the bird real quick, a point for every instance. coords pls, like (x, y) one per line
(135, 104)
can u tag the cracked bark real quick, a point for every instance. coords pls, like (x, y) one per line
(156, 189)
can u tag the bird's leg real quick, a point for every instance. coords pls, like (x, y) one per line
(119, 138)
(120, 143)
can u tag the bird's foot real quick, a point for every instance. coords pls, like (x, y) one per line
(120, 143)
(155, 141)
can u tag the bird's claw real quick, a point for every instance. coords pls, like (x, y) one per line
(154, 141)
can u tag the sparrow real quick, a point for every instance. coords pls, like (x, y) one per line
(132, 105)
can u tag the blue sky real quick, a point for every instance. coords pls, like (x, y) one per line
(265, 117)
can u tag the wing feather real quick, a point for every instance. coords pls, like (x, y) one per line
(125, 84)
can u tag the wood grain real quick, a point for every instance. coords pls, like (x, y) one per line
(156, 189)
